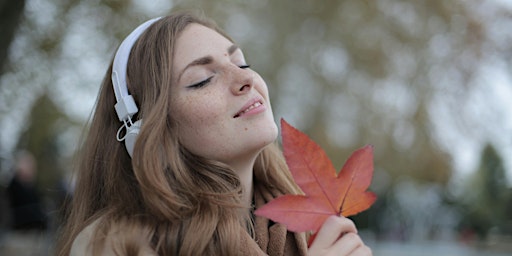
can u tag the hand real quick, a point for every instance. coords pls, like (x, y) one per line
(338, 236)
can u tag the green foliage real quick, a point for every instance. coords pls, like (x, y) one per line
(487, 196)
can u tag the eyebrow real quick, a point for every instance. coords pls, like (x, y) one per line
(232, 49)
(206, 60)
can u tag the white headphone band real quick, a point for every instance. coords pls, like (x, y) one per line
(125, 106)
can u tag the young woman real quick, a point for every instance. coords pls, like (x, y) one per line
(197, 155)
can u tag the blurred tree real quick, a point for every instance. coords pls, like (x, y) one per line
(355, 72)
(10, 16)
(487, 195)
(507, 228)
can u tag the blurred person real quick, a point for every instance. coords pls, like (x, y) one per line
(25, 203)
(180, 150)
(27, 219)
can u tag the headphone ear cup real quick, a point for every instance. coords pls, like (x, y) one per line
(131, 136)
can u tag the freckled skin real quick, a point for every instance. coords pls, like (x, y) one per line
(205, 115)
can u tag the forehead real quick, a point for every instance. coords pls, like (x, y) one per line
(197, 41)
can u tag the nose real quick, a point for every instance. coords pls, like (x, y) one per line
(243, 81)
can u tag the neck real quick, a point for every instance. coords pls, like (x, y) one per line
(245, 173)
(247, 184)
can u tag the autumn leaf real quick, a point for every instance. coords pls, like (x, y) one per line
(325, 192)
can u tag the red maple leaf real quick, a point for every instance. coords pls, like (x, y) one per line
(326, 193)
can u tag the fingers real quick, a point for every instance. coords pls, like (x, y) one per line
(338, 236)
(332, 229)
(362, 251)
(350, 244)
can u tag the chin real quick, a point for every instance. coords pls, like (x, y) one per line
(264, 132)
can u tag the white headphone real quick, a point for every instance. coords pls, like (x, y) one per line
(125, 106)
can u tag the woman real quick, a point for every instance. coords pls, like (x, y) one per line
(204, 157)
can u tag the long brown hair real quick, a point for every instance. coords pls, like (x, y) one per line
(181, 203)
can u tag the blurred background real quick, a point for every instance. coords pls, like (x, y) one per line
(428, 83)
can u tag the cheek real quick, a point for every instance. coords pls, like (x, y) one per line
(196, 119)
(199, 112)
(262, 87)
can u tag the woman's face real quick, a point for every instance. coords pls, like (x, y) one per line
(221, 106)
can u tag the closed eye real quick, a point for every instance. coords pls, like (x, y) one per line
(201, 84)
(208, 80)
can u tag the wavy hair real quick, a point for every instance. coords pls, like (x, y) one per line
(164, 198)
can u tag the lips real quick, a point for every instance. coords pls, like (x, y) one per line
(248, 107)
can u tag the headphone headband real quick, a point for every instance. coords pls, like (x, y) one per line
(125, 106)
